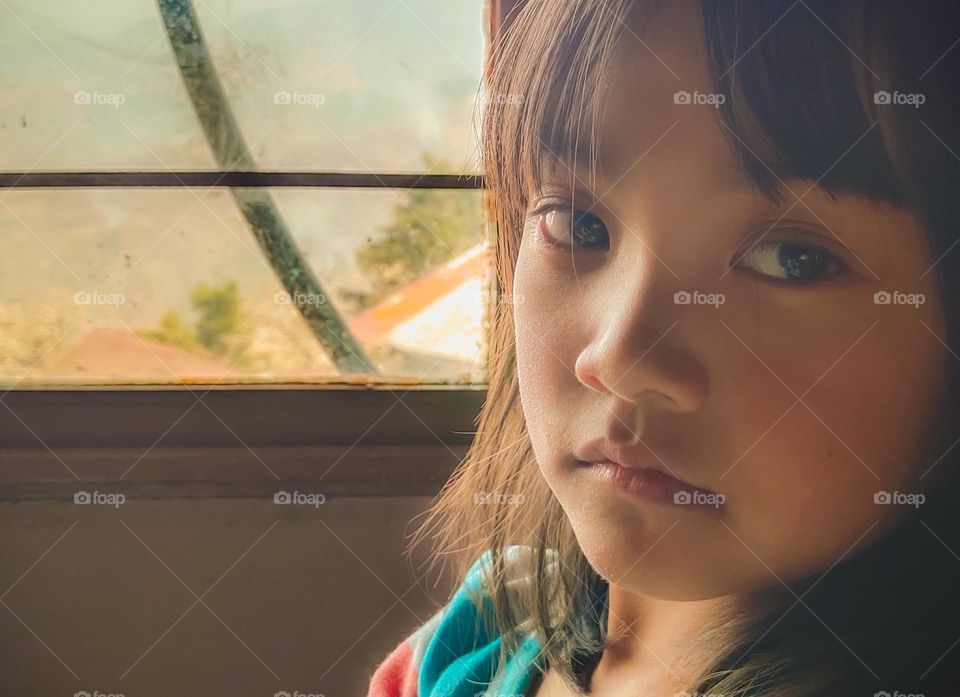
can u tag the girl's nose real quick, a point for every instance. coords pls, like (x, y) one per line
(636, 365)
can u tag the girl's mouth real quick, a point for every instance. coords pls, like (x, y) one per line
(652, 485)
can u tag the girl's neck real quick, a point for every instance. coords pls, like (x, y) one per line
(659, 640)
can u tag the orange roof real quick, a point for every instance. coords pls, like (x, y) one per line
(408, 300)
(104, 353)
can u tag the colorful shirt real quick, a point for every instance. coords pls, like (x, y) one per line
(454, 655)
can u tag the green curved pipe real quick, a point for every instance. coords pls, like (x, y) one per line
(257, 205)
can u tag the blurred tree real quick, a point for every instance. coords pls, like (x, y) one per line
(219, 310)
(220, 329)
(427, 229)
(173, 330)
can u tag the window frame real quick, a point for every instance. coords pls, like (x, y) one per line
(237, 440)
(233, 440)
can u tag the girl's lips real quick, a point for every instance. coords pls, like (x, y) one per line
(652, 485)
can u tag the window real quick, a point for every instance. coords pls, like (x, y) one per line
(241, 191)
(153, 342)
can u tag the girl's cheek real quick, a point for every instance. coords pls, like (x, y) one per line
(543, 308)
(806, 491)
(546, 343)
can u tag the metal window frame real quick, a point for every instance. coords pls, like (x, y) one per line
(233, 179)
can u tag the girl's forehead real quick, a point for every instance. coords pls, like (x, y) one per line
(638, 140)
(659, 107)
(662, 52)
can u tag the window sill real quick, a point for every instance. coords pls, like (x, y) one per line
(232, 441)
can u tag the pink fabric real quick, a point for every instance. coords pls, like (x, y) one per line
(397, 675)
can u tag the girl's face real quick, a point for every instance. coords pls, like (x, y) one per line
(786, 386)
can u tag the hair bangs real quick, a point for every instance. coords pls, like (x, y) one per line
(546, 109)
(804, 90)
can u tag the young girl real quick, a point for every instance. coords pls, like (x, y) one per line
(716, 457)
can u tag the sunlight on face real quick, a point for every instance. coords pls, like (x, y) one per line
(742, 344)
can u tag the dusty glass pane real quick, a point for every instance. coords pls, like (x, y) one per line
(332, 85)
(169, 286)
(347, 85)
(92, 86)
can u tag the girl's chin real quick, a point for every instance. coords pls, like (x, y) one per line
(656, 563)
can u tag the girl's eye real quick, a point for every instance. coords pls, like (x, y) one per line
(558, 228)
(792, 262)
